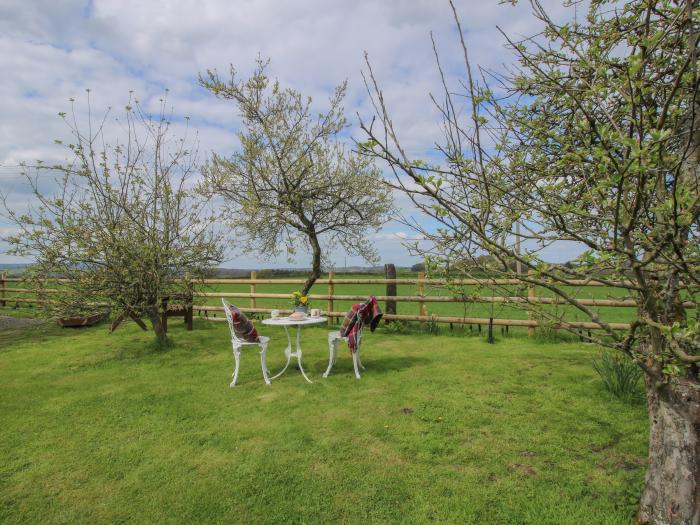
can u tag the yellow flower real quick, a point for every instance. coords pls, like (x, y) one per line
(304, 299)
(297, 294)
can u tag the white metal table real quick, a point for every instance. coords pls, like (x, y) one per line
(286, 322)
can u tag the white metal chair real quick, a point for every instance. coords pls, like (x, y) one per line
(238, 343)
(334, 338)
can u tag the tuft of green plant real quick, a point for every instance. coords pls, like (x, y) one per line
(619, 374)
(161, 345)
(430, 327)
(397, 327)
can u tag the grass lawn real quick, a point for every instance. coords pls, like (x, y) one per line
(101, 428)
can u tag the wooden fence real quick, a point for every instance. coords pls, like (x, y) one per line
(420, 298)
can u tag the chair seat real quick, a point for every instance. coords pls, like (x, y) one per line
(262, 338)
(336, 335)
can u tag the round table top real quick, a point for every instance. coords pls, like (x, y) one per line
(286, 321)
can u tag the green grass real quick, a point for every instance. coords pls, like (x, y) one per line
(101, 428)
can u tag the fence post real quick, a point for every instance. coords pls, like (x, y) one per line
(390, 273)
(421, 292)
(2, 289)
(189, 304)
(531, 294)
(253, 276)
(331, 293)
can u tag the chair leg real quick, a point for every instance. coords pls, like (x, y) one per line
(237, 362)
(263, 362)
(331, 354)
(359, 357)
(287, 354)
(355, 360)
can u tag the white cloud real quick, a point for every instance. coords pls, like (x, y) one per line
(400, 236)
(52, 51)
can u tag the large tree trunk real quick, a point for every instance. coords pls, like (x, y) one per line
(672, 488)
(153, 313)
(315, 263)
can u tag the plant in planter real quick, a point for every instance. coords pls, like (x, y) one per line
(301, 302)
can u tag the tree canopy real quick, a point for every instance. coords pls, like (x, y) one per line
(121, 224)
(293, 187)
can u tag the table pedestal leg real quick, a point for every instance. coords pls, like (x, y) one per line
(298, 354)
(289, 354)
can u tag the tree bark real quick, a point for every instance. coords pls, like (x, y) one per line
(153, 313)
(315, 263)
(671, 494)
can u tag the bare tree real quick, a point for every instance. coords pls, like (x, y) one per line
(592, 138)
(122, 225)
(293, 187)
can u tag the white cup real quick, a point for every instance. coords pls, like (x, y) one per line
(274, 314)
(315, 312)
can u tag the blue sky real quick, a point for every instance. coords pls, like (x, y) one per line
(52, 51)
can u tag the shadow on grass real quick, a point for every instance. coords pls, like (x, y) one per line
(140, 349)
(27, 334)
(378, 366)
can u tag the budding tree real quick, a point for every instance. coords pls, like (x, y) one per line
(293, 187)
(592, 138)
(120, 225)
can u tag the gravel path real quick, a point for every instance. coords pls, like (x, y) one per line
(15, 322)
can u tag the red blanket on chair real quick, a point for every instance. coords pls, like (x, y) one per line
(360, 315)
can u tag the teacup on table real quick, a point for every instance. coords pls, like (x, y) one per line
(315, 312)
(274, 314)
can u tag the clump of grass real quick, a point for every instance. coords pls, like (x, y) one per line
(397, 327)
(160, 345)
(549, 334)
(431, 327)
(620, 375)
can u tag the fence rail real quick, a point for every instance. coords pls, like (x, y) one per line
(583, 325)
(529, 296)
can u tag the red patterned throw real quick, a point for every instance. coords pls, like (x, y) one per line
(360, 315)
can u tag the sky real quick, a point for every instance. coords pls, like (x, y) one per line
(53, 51)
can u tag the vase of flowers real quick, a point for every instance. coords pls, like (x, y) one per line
(301, 302)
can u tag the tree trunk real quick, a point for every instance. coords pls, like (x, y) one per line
(155, 318)
(672, 487)
(315, 263)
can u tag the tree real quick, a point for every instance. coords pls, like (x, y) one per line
(121, 226)
(293, 187)
(418, 267)
(592, 138)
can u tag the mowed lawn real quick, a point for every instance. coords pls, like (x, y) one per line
(100, 428)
